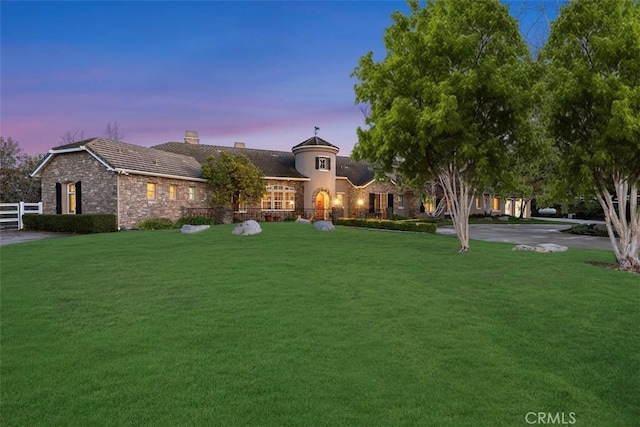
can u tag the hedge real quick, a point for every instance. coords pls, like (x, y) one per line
(82, 224)
(420, 227)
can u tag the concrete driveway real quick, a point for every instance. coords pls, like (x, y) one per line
(531, 234)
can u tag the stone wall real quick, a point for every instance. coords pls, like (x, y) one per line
(99, 189)
(135, 206)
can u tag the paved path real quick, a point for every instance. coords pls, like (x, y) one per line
(531, 234)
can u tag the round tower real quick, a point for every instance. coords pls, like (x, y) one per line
(315, 158)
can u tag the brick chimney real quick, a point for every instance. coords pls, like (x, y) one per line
(191, 137)
(239, 145)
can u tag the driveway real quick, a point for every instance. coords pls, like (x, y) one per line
(531, 234)
(8, 237)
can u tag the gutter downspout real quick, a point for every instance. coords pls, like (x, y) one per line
(118, 200)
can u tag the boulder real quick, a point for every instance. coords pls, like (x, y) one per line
(524, 248)
(543, 247)
(247, 228)
(190, 229)
(304, 221)
(503, 218)
(324, 225)
(550, 247)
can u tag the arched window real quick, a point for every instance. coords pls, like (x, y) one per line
(279, 198)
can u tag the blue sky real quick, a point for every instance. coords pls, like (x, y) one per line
(262, 72)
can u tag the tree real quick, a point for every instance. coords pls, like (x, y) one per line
(234, 179)
(113, 132)
(449, 102)
(16, 184)
(593, 112)
(71, 137)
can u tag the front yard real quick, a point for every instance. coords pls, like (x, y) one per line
(300, 327)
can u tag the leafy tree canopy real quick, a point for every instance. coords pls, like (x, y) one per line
(451, 89)
(593, 91)
(16, 184)
(233, 178)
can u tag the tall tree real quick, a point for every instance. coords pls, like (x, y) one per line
(16, 183)
(593, 111)
(449, 102)
(234, 179)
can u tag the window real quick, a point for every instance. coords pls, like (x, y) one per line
(400, 201)
(339, 199)
(71, 198)
(495, 204)
(323, 163)
(192, 194)
(378, 202)
(172, 192)
(279, 198)
(478, 203)
(151, 190)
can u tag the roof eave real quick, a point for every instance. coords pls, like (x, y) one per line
(159, 175)
(287, 178)
(53, 152)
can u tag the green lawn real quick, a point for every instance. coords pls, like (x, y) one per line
(298, 327)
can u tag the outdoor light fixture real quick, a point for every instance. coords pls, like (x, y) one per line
(360, 202)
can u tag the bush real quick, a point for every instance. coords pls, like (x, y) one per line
(589, 230)
(420, 227)
(82, 224)
(195, 220)
(156, 224)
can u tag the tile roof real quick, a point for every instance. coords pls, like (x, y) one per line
(130, 157)
(185, 160)
(273, 163)
(315, 141)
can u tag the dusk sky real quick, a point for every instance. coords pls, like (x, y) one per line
(263, 72)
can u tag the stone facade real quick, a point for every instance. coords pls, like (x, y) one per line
(99, 186)
(135, 206)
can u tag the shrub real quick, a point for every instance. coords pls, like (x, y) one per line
(82, 224)
(156, 224)
(420, 227)
(195, 220)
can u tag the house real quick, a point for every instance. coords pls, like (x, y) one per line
(135, 183)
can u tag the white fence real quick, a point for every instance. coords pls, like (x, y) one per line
(11, 213)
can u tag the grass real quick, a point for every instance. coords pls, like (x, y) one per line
(298, 327)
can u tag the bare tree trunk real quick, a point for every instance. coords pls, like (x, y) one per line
(459, 196)
(626, 245)
(113, 131)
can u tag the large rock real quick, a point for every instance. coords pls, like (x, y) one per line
(550, 247)
(190, 229)
(304, 221)
(524, 248)
(543, 247)
(324, 225)
(247, 228)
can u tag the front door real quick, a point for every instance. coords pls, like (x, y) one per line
(321, 205)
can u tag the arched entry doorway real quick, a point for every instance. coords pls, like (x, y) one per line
(322, 205)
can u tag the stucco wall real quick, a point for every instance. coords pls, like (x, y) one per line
(305, 163)
(99, 191)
